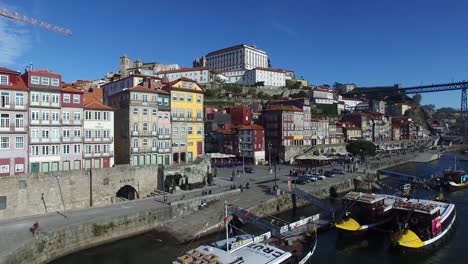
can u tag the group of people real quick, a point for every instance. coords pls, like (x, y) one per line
(302, 172)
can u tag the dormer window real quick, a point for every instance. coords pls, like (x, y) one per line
(4, 80)
(54, 82)
(35, 79)
(45, 81)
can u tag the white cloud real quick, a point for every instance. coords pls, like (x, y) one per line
(14, 41)
(283, 28)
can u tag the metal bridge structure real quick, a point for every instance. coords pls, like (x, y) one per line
(396, 90)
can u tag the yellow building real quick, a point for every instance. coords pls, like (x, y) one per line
(186, 120)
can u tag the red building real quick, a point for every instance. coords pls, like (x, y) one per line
(252, 143)
(240, 115)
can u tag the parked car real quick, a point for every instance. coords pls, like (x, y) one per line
(322, 177)
(249, 170)
(300, 180)
(330, 174)
(310, 178)
(337, 171)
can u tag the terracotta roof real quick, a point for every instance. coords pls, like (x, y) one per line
(143, 89)
(250, 127)
(70, 89)
(44, 71)
(284, 108)
(161, 91)
(6, 70)
(91, 101)
(183, 69)
(17, 84)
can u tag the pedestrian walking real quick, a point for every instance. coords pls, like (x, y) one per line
(34, 229)
(165, 198)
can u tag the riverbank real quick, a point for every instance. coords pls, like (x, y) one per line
(77, 230)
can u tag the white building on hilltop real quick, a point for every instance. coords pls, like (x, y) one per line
(237, 57)
(198, 74)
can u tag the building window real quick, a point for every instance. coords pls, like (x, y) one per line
(145, 126)
(54, 82)
(55, 116)
(154, 98)
(34, 150)
(97, 148)
(45, 116)
(155, 127)
(189, 130)
(4, 80)
(77, 149)
(182, 130)
(66, 149)
(106, 133)
(174, 114)
(145, 111)
(199, 130)
(175, 131)
(97, 115)
(45, 81)
(35, 79)
(160, 101)
(135, 96)
(174, 97)
(34, 98)
(105, 148)
(189, 98)
(5, 97)
(145, 98)
(19, 142)
(154, 145)
(154, 111)
(55, 150)
(135, 127)
(135, 111)
(4, 142)
(35, 133)
(77, 116)
(182, 97)
(19, 167)
(77, 133)
(97, 133)
(76, 98)
(189, 113)
(182, 113)
(88, 115)
(199, 115)
(105, 115)
(55, 99)
(199, 98)
(66, 98)
(145, 142)
(135, 143)
(88, 134)
(66, 133)
(167, 131)
(4, 120)
(45, 98)
(88, 149)
(4, 168)
(166, 101)
(19, 99)
(45, 150)
(19, 121)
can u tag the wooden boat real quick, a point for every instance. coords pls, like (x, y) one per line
(295, 248)
(422, 224)
(364, 211)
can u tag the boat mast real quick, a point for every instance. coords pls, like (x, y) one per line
(226, 223)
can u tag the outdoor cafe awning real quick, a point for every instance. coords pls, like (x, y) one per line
(220, 156)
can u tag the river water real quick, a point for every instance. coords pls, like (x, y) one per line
(155, 247)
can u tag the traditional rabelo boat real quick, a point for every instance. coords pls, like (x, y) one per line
(421, 224)
(363, 211)
(296, 248)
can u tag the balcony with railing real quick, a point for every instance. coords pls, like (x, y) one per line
(99, 139)
(101, 153)
(13, 107)
(141, 103)
(72, 139)
(144, 133)
(45, 140)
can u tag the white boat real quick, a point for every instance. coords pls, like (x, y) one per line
(249, 249)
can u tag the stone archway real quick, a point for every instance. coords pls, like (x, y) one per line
(127, 192)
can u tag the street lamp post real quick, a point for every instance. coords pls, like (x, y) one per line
(269, 153)
(243, 156)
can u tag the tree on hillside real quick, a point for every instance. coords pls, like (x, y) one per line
(299, 94)
(361, 147)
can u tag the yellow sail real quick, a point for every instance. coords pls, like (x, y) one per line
(410, 240)
(349, 225)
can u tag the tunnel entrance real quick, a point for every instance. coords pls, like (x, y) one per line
(127, 192)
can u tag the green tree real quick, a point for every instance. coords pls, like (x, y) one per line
(361, 147)
(299, 94)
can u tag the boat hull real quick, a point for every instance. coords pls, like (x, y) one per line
(409, 241)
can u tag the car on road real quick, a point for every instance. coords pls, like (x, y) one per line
(330, 174)
(300, 180)
(321, 177)
(337, 171)
(310, 178)
(249, 170)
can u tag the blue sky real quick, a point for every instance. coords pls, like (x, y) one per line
(367, 42)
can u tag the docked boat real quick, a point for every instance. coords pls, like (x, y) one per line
(422, 224)
(455, 179)
(363, 211)
(296, 248)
